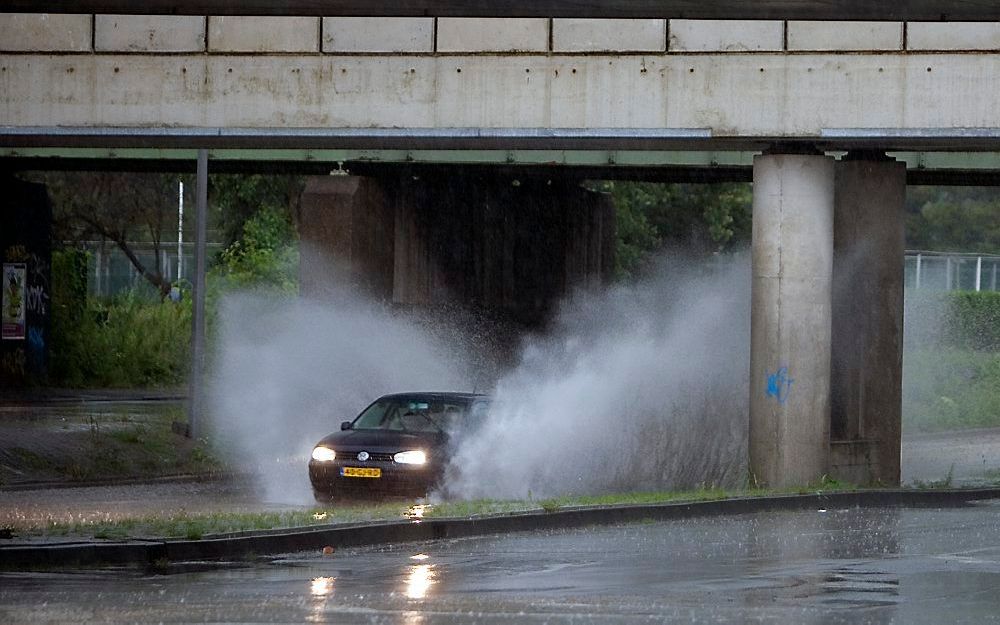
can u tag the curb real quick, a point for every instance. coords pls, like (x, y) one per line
(150, 552)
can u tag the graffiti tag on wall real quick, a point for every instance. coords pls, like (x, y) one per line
(37, 300)
(779, 385)
(36, 340)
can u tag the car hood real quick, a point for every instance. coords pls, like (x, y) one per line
(380, 440)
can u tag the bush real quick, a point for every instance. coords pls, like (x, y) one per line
(974, 320)
(950, 388)
(126, 341)
(265, 258)
(953, 319)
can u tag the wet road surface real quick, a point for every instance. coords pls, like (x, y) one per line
(965, 457)
(823, 566)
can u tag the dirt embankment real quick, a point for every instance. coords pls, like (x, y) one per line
(95, 440)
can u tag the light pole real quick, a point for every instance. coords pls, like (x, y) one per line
(196, 400)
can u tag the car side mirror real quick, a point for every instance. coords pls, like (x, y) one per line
(346, 425)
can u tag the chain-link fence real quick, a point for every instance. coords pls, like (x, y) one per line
(952, 271)
(109, 271)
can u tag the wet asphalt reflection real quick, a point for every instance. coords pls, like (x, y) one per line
(822, 566)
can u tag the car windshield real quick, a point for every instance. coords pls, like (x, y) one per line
(413, 414)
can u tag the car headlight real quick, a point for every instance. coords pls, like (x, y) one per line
(323, 454)
(410, 457)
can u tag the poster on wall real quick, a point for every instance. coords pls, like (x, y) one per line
(12, 304)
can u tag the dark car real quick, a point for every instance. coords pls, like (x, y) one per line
(397, 445)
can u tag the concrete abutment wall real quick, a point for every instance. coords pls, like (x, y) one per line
(509, 246)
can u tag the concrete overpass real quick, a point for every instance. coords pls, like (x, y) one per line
(782, 87)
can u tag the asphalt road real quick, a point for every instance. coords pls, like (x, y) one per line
(823, 566)
(964, 457)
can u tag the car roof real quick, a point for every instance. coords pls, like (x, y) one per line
(436, 395)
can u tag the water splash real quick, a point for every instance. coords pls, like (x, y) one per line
(288, 372)
(641, 387)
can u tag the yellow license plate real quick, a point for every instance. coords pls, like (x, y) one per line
(360, 472)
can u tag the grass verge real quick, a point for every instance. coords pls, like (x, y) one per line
(947, 389)
(197, 526)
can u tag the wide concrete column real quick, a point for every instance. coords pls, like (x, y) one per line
(791, 318)
(867, 358)
(346, 227)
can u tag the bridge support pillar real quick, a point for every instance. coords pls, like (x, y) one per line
(793, 205)
(867, 354)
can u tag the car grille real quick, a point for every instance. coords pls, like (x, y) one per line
(372, 457)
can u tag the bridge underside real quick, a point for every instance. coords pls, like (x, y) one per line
(670, 99)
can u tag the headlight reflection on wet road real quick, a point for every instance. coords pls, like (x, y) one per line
(322, 586)
(419, 580)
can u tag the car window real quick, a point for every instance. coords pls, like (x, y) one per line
(373, 416)
(413, 415)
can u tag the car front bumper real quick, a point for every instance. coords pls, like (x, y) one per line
(327, 480)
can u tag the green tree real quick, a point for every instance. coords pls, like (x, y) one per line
(236, 198)
(704, 217)
(953, 219)
(266, 255)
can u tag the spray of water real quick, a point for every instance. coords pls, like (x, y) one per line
(288, 372)
(638, 388)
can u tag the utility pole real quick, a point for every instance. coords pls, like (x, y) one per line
(180, 230)
(196, 401)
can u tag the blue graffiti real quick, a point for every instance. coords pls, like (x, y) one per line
(779, 385)
(36, 340)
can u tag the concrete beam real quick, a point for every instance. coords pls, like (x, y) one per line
(954, 36)
(726, 36)
(149, 33)
(816, 36)
(378, 34)
(464, 34)
(263, 34)
(728, 98)
(39, 32)
(900, 10)
(588, 35)
(790, 318)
